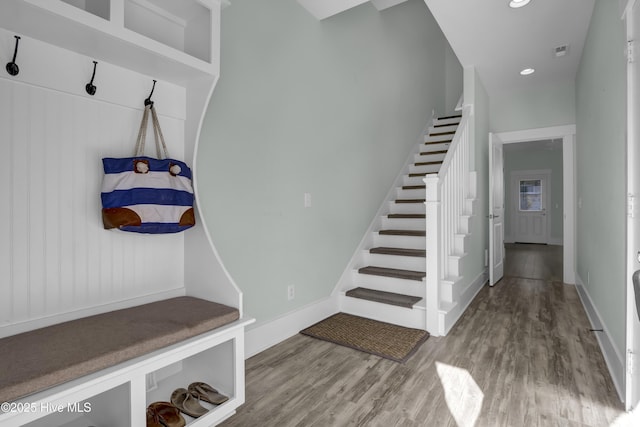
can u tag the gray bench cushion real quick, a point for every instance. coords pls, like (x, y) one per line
(35, 360)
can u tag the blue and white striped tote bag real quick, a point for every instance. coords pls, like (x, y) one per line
(146, 195)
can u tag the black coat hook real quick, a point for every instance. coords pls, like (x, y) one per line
(12, 67)
(148, 101)
(90, 88)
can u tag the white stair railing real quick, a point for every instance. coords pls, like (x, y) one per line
(446, 200)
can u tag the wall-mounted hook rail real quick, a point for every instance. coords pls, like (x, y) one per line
(12, 67)
(148, 101)
(90, 88)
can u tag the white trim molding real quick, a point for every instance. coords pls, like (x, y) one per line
(612, 357)
(267, 334)
(568, 135)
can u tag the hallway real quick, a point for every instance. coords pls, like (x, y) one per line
(522, 355)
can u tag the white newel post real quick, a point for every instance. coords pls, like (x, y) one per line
(433, 243)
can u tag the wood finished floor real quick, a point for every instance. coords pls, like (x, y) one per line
(521, 355)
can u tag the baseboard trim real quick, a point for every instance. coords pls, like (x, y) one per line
(448, 320)
(555, 241)
(267, 334)
(613, 359)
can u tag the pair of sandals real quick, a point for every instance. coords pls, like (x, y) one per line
(165, 414)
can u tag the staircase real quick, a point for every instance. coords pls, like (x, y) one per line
(386, 280)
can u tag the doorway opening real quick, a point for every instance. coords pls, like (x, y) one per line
(534, 192)
(537, 197)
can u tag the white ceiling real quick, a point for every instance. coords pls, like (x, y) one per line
(500, 41)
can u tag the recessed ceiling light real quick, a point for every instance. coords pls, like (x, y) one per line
(518, 3)
(527, 71)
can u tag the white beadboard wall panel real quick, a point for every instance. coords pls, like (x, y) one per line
(56, 260)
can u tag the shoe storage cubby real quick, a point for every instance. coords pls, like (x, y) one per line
(95, 411)
(215, 366)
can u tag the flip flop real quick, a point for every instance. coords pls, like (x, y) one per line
(164, 414)
(207, 393)
(153, 419)
(188, 403)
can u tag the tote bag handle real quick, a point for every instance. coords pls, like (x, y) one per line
(157, 132)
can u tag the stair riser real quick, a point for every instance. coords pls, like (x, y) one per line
(447, 291)
(407, 242)
(427, 148)
(469, 206)
(409, 318)
(424, 169)
(418, 193)
(460, 243)
(413, 180)
(407, 208)
(440, 129)
(453, 289)
(393, 261)
(429, 157)
(454, 264)
(403, 224)
(388, 284)
(438, 138)
(464, 224)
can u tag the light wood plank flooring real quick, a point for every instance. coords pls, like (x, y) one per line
(522, 355)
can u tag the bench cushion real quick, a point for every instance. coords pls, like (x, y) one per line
(42, 358)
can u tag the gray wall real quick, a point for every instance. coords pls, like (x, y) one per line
(535, 157)
(600, 170)
(328, 107)
(533, 107)
(454, 78)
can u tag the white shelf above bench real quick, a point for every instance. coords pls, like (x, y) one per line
(166, 39)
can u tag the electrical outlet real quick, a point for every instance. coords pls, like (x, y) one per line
(307, 200)
(291, 292)
(486, 257)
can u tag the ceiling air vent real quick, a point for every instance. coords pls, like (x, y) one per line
(561, 51)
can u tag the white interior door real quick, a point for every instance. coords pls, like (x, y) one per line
(530, 219)
(632, 382)
(496, 209)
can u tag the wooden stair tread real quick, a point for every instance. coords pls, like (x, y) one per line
(414, 187)
(406, 216)
(444, 141)
(439, 162)
(399, 251)
(410, 200)
(434, 152)
(393, 272)
(422, 174)
(449, 117)
(403, 232)
(390, 298)
(442, 133)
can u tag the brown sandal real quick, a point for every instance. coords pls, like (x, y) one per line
(164, 414)
(207, 393)
(188, 403)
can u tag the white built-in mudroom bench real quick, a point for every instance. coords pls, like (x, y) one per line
(95, 324)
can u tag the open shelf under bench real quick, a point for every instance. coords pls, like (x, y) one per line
(118, 396)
